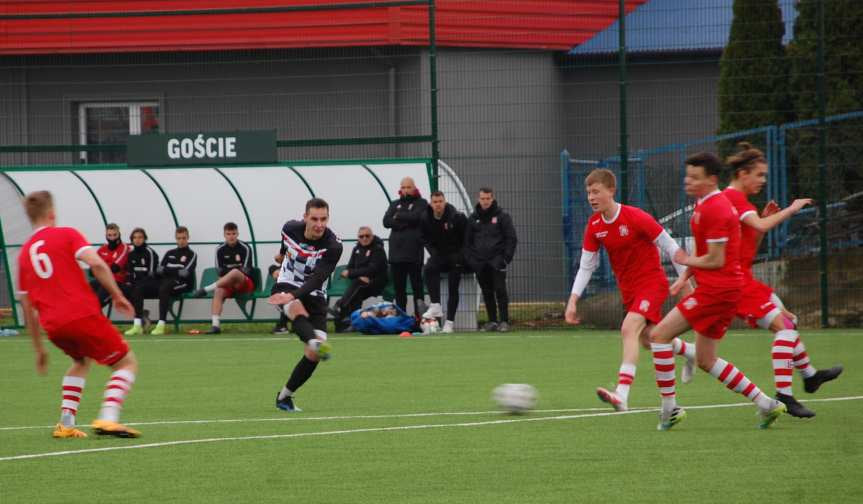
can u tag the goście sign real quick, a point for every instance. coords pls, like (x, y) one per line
(202, 148)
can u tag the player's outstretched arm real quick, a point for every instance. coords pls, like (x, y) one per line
(31, 320)
(764, 224)
(102, 273)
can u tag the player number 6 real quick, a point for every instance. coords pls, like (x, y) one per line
(41, 262)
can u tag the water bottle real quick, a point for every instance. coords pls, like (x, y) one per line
(8, 332)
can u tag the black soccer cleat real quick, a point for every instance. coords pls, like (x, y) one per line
(214, 330)
(199, 293)
(812, 383)
(286, 404)
(279, 329)
(794, 408)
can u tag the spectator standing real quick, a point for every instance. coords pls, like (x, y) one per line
(403, 217)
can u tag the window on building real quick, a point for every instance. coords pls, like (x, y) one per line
(112, 123)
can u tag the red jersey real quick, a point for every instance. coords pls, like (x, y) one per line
(748, 234)
(48, 272)
(628, 238)
(118, 256)
(715, 220)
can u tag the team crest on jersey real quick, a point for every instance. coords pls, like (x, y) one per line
(624, 231)
(494, 220)
(690, 303)
(183, 259)
(368, 253)
(644, 305)
(237, 257)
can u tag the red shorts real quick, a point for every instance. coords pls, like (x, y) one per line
(756, 302)
(710, 313)
(647, 302)
(247, 287)
(94, 337)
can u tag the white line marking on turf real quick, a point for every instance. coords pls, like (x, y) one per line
(378, 429)
(344, 417)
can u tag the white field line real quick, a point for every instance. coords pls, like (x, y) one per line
(295, 418)
(375, 429)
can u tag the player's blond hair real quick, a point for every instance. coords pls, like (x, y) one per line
(37, 204)
(745, 159)
(602, 176)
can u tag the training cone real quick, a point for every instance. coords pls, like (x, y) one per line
(405, 334)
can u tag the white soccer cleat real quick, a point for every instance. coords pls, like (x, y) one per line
(447, 327)
(434, 311)
(611, 398)
(688, 371)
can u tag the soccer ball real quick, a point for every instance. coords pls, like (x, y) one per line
(515, 397)
(429, 326)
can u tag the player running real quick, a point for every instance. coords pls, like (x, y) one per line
(711, 307)
(759, 305)
(54, 293)
(310, 253)
(631, 237)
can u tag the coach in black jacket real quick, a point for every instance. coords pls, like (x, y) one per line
(443, 229)
(406, 249)
(490, 243)
(367, 269)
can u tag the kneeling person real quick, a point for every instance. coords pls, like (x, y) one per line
(310, 253)
(234, 261)
(177, 272)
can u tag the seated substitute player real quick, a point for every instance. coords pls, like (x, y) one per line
(443, 228)
(710, 309)
(234, 261)
(367, 271)
(311, 252)
(115, 253)
(177, 272)
(143, 279)
(759, 306)
(55, 295)
(631, 237)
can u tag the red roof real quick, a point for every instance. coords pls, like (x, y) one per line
(527, 24)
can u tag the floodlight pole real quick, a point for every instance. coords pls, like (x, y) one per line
(624, 135)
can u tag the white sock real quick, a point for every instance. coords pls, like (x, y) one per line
(683, 348)
(285, 392)
(136, 322)
(115, 394)
(73, 387)
(210, 288)
(624, 380)
(216, 321)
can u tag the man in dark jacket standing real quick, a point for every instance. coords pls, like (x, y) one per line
(443, 229)
(406, 249)
(367, 269)
(490, 243)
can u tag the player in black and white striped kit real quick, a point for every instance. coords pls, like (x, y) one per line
(310, 253)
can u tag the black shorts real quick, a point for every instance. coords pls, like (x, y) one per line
(315, 305)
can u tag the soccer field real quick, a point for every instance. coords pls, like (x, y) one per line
(393, 420)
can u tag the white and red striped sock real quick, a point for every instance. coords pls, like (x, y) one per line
(115, 393)
(783, 346)
(683, 348)
(73, 387)
(625, 377)
(735, 380)
(663, 363)
(801, 360)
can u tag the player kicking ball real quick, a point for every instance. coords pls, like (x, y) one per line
(310, 252)
(759, 306)
(631, 237)
(710, 309)
(55, 295)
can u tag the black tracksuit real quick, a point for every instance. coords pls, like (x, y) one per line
(444, 240)
(238, 256)
(369, 261)
(143, 280)
(404, 216)
(177, 270)
(490, 242)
